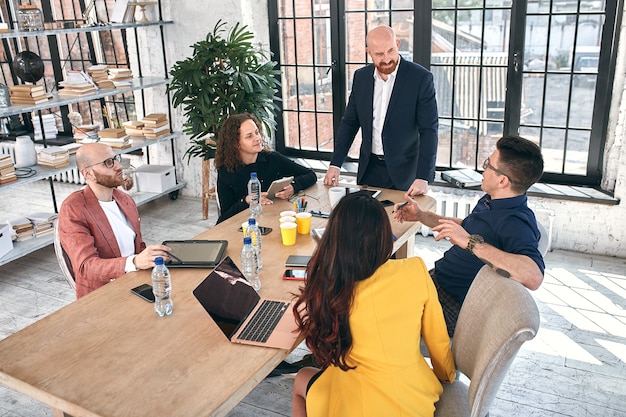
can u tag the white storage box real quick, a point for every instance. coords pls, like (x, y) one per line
(155, 178)
(6, 244)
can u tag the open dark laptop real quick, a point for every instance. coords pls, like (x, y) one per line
(241, 313)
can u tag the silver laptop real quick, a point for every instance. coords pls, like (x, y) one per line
(242, 315)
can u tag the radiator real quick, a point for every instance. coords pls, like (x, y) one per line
(457, 204)
(71, 175)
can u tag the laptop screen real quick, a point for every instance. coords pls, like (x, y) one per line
(227, 296)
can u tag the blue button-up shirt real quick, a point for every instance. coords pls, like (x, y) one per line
(506, 223)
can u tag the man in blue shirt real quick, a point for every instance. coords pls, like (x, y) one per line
(501, 231)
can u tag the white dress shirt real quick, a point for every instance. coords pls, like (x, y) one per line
(382, 95)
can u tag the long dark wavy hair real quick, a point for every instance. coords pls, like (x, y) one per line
(227, 153)
(356, 242)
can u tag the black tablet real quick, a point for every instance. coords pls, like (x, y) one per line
(196, 253)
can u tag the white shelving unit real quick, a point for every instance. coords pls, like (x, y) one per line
(139, 83)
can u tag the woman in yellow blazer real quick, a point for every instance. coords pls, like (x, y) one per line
(363, 315)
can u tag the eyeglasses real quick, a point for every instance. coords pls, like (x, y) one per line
(109, 162)
(487, 165)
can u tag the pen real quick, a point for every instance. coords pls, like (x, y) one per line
(401, 206)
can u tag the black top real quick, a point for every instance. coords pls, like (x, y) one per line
(232, 187)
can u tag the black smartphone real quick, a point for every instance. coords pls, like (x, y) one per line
(295, 274)
(387, 203)
(144, 291)
(264, 230)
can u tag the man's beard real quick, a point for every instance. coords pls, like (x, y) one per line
(110, 181)
(388, 69)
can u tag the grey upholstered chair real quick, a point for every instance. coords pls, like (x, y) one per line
(63, 259)
(497, 317)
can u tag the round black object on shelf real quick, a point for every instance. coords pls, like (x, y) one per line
(28, 66)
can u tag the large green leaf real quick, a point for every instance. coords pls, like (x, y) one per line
(225, 75)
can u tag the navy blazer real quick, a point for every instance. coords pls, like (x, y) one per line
(410, 128)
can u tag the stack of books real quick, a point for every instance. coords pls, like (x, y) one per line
(53, 157)
(43, 223)
(120, 77)
(134, 128)
(73, 147)
(49, 126)
(77, 83)
(21, 228)
(28, 94)
(86, 133)
(115, 138)
(100, 75)
(155, 125)
(7, 169)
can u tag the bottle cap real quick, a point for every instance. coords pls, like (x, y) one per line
(251, 220)
(247, 240)
(253, 175)
(158, 260)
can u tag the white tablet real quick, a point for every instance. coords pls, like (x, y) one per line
(277, 186)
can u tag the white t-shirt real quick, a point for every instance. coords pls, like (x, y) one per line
(123, 230)
(382, 95)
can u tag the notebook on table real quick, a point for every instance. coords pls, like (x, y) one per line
(242, 315)
(463, 178)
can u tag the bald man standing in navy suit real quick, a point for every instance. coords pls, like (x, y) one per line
(393, 103)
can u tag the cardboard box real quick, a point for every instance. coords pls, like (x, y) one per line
(155, 178)
(6, 244)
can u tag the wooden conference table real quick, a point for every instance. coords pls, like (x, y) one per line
(109, 354)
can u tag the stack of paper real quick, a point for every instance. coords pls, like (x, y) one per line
(53, 157)
(43, 223)
(77, 83)
(7, 170)
(49, 126)
(72, 147)
(115, 138)
(28, 94)
(100, 75)
(155, 125)
(21, 228)
(86, 133)
(134, 128)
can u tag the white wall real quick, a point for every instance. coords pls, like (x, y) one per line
(584, 227)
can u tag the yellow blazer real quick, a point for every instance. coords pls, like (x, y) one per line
(391, 309)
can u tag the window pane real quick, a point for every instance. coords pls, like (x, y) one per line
(290, 93)
(533, 97)
(285, 8)
(355, 37)
(576, 154)
(287, 39)
(557, 89)
(303, 9)
(308, 131)
(321, 8)
(552, 148)
(306, 88)
(325, 131)
(304, 46)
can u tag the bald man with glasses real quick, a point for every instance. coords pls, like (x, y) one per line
(99, 225)
(501, 231)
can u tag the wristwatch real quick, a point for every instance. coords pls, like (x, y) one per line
(474, 239)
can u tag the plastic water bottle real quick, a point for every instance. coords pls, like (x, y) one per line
(254, 233)
(249, 265)
(162, 287)
(254, 195)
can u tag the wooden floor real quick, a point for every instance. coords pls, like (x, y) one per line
(575, 367)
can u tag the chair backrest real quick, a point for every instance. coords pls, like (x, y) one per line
(544, 240)
(496, 318)
(63, 259)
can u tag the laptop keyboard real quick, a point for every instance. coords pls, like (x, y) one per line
(264, 321)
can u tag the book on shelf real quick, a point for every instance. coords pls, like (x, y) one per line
(117, 145)
(7, 171)
(122, 83)
(112, 132)
(154, 118)
(154, 130)
(73, 92)
(5, 179)
(5, 160)
(28, 94)
(29, 88)
(54, 165)
(19, 222)
(32, 100)
(71, 147)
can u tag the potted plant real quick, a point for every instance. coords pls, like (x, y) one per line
(224, 75)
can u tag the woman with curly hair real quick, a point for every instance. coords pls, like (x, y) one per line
(241, 150)
(363, 314)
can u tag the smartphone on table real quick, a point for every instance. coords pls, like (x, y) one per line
(144, 291)
(295, 274)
